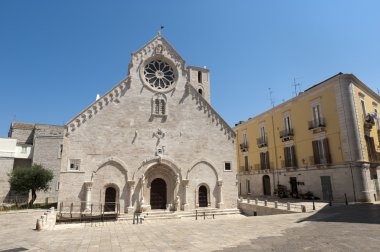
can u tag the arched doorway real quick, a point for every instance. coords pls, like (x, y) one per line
(110, 200)
(158, 194)
(202, 196)
(266, 185)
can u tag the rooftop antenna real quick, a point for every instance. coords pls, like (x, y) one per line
(296, 85)
(160, 30)
(271, 97)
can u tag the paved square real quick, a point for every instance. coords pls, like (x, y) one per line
(353, 228)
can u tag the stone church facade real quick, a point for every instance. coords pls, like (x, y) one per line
(152, 142)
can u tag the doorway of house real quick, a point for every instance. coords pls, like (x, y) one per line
(266, 185)
(327, 193)
(294, 186)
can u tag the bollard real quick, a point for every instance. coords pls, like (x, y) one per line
(256, 201)
(276, 204)
(196, 214)
(345, 196)
(38, 225)
(288, 206)
(303, 208)
(330, 201)
(265, 202)
(213, 216)
(204, 215)
(134, 216)
(137, 219)
(313, 204)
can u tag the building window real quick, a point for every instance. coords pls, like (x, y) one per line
(290, 156)
(363, 105)
(371, 149)
(159, 105)
(262, 140)
(246, 164)
(321, 152)
(248, 186)
(264, 160)
(199, 77)
(287, 123)
(74, 164)
(227, 166)
(57, 186)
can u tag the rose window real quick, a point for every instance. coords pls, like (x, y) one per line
(159, 74)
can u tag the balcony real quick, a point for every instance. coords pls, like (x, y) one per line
(262, 142)
(245, 169)
(369, 121)
(286, 134)
(317, 124)
(244, 147)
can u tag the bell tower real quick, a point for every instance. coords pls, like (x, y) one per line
(199, 78)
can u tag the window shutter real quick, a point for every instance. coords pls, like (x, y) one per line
(327, 150)
(294, 158)
(286, 156)
(316, 152)
(267, 160)
(262, 160)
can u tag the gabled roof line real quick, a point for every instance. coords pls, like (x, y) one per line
(231, 132)
(93, 108)
(160, 37)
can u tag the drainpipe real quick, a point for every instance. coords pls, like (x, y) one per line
(275, 153)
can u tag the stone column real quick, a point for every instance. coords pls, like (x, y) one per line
(88, 186)
(142, 201)
(185, 205)
(131, 185)
(220, 203)
(175, 196)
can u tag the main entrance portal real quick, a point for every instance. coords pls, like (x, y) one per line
(158, 194)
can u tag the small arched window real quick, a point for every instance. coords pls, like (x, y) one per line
(199, 77)
(159, 105)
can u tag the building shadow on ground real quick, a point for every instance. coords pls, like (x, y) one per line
(354, 213)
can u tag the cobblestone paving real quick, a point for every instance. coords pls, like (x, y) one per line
(353, 228)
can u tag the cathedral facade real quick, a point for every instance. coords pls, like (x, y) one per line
(152, 142)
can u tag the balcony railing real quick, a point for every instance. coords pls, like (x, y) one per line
(245, 168)
(286, 133)
(317, 123)
(244, 147)
(262, 142)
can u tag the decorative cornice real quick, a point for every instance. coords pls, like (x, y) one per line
(150, 47)
(110, 97)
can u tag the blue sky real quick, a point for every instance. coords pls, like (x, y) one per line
(55, 56)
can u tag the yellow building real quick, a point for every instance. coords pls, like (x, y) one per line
(324, 141)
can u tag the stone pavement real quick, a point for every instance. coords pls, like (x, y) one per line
(352, 228)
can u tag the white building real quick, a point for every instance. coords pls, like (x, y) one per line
(152, 142)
